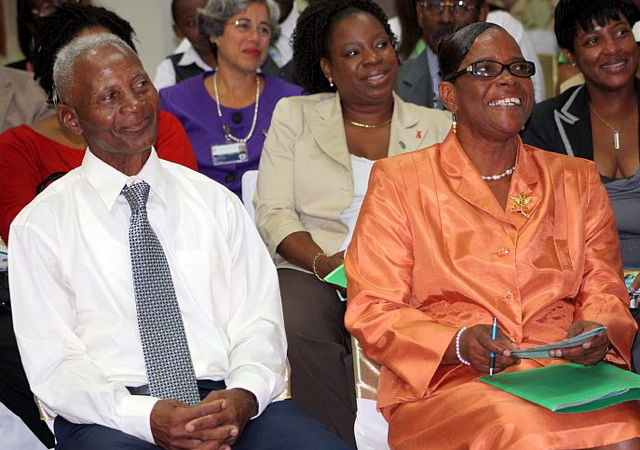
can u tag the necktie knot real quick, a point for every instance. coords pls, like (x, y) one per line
(137, 195)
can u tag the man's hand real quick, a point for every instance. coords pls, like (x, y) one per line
(169, 420)
(214, 424)
(590, 351)
(234, 408)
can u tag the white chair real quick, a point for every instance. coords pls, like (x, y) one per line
(249, 185)
(14, 434)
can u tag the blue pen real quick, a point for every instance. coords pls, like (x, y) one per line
(492, 355)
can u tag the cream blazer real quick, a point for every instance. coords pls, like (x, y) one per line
(305, 179)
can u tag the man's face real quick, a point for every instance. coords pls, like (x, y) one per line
(185, 23)
(112, 103)
(438, 18)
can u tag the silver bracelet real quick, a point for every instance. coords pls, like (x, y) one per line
(458, 354)
(313, 265)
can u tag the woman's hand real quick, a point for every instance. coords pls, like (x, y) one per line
(326, 264)
(590, 351)
(476, 345)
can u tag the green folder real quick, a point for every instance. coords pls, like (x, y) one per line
(571, 388)
(337, 277)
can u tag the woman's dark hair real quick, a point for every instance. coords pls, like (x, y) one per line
(573, 15)
(63, 25)
(455, 46)
(311, 36)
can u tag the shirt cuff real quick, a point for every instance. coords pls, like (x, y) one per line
(136, 416)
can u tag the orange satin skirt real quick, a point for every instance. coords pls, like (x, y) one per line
(476, 416)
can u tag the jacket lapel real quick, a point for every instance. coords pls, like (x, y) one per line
(5, 99)
(325, 122)
(407, 134)
(574, 124)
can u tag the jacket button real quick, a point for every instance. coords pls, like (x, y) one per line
(230, 178)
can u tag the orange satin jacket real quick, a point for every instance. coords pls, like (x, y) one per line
(434, 251)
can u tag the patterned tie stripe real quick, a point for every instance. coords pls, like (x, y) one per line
(164, 342)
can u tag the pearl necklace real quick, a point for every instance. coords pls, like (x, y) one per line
(227, 132)
(506, 173)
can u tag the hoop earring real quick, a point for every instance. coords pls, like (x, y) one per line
(454, 124)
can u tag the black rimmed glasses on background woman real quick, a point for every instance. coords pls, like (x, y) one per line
(489, 68)
(457, 7)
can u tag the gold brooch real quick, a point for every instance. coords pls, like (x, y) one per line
(521, 204)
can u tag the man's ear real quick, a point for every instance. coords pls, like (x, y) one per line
(419, 12)
(69, 118)
(484, 10)
(448, 95)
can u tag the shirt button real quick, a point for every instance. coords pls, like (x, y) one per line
(508, 296)
(503, 252)
(230, 178)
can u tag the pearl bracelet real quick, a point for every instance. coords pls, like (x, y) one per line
(313, 265)
(458, 354)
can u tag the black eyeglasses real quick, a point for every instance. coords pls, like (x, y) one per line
(457, 8)
(490, 69)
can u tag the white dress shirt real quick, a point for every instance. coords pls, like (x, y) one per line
(74, 306)
(281, 51)
(166, 73)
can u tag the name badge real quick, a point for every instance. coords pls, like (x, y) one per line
(229, 153)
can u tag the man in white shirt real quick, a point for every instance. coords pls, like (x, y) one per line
(76, 307)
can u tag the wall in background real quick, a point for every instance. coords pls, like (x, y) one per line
(151, 19)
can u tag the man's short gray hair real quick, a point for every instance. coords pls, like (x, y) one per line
(214, 16)
(66, 58)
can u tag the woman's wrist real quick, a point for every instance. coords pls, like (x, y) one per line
(458, 353)
(315, 263)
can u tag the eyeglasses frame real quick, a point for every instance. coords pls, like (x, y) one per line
(471, 68)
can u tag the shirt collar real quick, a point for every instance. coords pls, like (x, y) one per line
(434, 65)
(108, 182)
(190, 56)
(289, 24)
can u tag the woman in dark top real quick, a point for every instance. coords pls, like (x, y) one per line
(599, 119)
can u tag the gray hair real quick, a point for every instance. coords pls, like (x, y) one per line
(214, 16)
(67, 56)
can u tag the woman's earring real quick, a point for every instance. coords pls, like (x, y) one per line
(330, 81)
(454, 124)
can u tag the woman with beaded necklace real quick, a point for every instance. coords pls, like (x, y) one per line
(227, 113)
(312, 178)
(483, 230)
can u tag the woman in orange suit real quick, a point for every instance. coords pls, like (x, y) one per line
(477, 227)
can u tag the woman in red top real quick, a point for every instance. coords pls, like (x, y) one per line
(33, 156)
